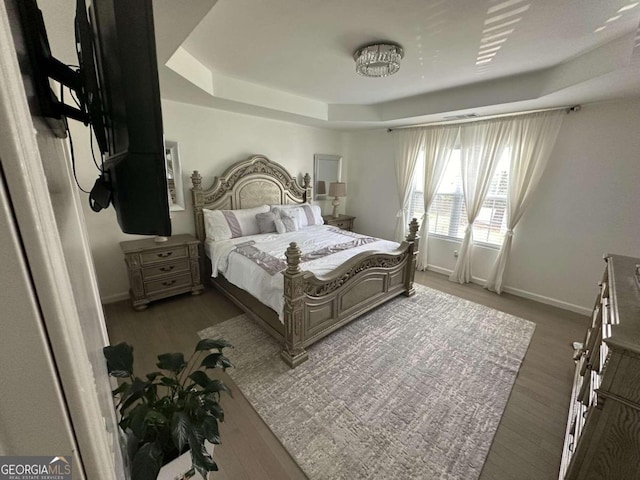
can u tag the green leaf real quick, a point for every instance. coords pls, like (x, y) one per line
(134, 393)
(180, 429)
(202, 460)
(213, 408)
(211, 343)
(153, 376)
(137, 422)
(169, 382)
(150, 392)
(218, 386)
(155, 418)
(193, 405)
(174, 362)
(216, 360)
(147, 462)
(210, 430)
(121, 388)
(119, 359)
(200, 378)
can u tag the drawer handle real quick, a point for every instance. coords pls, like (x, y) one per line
(165, 254)
(167, 269)
(168, 283)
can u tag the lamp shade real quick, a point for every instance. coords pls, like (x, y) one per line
(337, 189)
(321, 187)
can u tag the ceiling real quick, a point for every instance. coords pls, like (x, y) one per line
(293, 60)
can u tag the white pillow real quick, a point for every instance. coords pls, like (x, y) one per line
(306, 214)
(226, 224)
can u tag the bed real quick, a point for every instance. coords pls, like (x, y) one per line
(311, 305)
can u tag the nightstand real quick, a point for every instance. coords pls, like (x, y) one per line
(159, 270)
(345, 222)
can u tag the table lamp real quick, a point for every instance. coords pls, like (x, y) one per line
(337, 190)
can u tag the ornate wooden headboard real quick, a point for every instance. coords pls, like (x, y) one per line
(246, 184)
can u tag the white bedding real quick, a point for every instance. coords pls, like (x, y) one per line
(244, 273)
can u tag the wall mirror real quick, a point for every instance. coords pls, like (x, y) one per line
(174, 175)
(326, 169)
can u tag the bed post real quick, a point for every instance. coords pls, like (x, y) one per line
(293, 353)
(307, 188)
(198, 201)
(411, 263)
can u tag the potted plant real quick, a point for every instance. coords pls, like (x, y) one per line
(169, 412)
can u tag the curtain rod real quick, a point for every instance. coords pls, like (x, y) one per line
(569, 109)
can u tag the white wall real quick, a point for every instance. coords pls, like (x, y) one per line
(586, 205)
(210, 141)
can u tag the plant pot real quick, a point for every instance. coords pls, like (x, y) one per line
(178, 468)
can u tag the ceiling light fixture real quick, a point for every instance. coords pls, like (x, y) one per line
(378, 59)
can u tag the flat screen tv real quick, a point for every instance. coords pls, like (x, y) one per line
(119, 94)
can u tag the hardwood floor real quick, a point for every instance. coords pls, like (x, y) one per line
(528, 442)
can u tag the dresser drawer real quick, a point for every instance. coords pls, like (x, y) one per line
(167, 269)
(344, 225)
(165, 255)
(155, 286)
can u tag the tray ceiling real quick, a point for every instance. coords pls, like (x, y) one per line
(292, 59)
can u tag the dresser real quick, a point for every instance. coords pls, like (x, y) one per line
(159, 270)
(345, 222)
(602, 438)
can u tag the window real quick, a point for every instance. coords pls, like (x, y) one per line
(448, 213)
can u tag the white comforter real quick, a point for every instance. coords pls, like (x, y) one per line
(244, 273)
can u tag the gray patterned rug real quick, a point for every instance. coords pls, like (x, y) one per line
(413, 390)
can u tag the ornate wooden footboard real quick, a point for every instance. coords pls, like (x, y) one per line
(314, 306)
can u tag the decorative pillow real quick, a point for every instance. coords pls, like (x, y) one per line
(226, 224)
(266, 221)
(290, 222)
(306, 214)
(280, 228)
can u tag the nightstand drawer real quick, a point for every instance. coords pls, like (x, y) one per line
(159, 285)
(165, 269)
(165, 255)
(344, 222)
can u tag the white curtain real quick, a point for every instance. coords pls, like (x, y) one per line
(532, 138)
(408, 143)
(481, 145)
(439, 142)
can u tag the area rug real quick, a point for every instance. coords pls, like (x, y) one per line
(413, 390)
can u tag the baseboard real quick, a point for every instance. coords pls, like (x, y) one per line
(554, 302)
(447, 272)
(117, 297)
